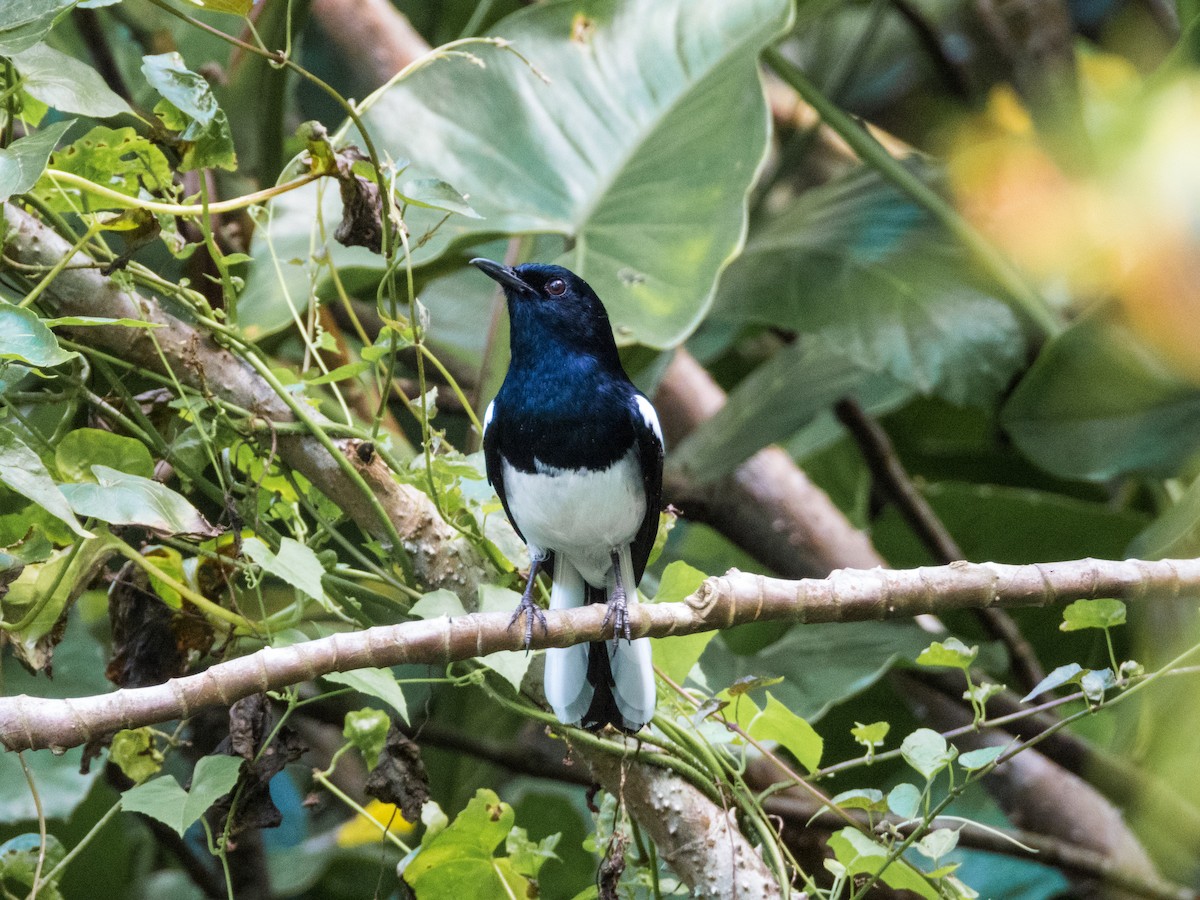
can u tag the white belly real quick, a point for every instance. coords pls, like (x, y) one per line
(580, 514)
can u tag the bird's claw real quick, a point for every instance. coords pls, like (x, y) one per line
(618, 613)
(532, 613)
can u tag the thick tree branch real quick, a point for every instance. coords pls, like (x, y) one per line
(735, 598)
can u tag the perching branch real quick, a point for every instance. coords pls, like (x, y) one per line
(735, 598)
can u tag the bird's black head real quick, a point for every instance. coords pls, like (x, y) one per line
(552, 305)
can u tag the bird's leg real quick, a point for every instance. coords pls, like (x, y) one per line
(618, 604)
(528, 605)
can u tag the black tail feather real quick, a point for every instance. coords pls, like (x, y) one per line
(603, 709)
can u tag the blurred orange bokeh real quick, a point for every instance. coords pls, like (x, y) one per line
(1125, 226)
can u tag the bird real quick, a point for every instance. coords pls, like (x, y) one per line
(575, 453)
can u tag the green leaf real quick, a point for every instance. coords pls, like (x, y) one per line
(378, 683)
(66, 84)
(858, 264)
(25, 22)
(25, 338)
(134, 752)
(341, 373)
(982, 693)
(927, 752)
(1060, 676)
(82, 448)
(438, 603)
(527, 856)
(977, 759)
(870, 736)
(295, 564)
(1096, 683)
(24, 160)
(1097, 404)
(937, 843)
(511, 665)
(233, 7)
(367, 729)
(1175, 534)
(1102, 613)
(163, 799)
(117, 158)
(22, 860)
(23, 471)
(433, 193)
(869, 799)
(622, 167)
(863, 856)
(904, 800)
(76, 321)
(122, 499)
(778, 723)
(821, 664)
(677, 656)
(190, 108)
(952, 653)
(459, 861)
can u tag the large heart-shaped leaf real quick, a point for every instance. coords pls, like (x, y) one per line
(1098, 403)
(862, 267)
(639, 149)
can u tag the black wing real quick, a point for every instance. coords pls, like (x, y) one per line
(648, 436)
(494, 464)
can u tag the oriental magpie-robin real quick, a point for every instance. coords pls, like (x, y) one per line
(575, 453)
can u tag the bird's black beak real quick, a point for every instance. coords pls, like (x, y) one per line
(505, 275)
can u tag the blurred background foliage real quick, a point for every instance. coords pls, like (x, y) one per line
(1008, 282)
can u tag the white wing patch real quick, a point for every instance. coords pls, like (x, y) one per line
(649, 416)
(487, 416)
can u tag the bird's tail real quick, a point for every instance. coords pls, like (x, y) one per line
(598, 683)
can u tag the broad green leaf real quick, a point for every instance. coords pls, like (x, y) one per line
(511, 665)
(378, 683)
(904, 800)
(122, 499)
(367, 729)
(869, 799)
(134, 751)
(22, 470)
(24, 160)
(861, 266)
(1102, 613)
(977, 759)
(1097, 403)
(25, 338)
(1060, 676)
(438, 603)
(951, 652)
(528, 856)
(616, 153)
(82, 448)
(459, 861)
(677, 656)
(295, 564)
(163, 799)
(25, 22)
(778, 723)
(117, 158)
(820, 664)
(23, 861)
(927, 752)
(863, 856)
(982, 693)
(66, 84)
(870, 736)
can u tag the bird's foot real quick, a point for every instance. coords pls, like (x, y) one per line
(528, 606)
(618, 614)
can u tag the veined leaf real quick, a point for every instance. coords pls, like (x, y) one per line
(26, 338)
(22, 470)
(23, 162)
(66, 84)
(123, 499)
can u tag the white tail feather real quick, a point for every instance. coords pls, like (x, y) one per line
(567, 688)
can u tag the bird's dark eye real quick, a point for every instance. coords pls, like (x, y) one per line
(556, 287)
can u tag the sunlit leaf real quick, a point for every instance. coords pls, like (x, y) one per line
(367, 729)
(861, 798)
(863, 856)
(977, 759)
(378, 683)
(117, 158)
(66, 84)
(778, 723)
(25, 338)
(82, 448)
(904, 800)
(190, 108)
(122, 499)
(951, 653)
(676, 656)
(1102, 613)
(927, 752)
